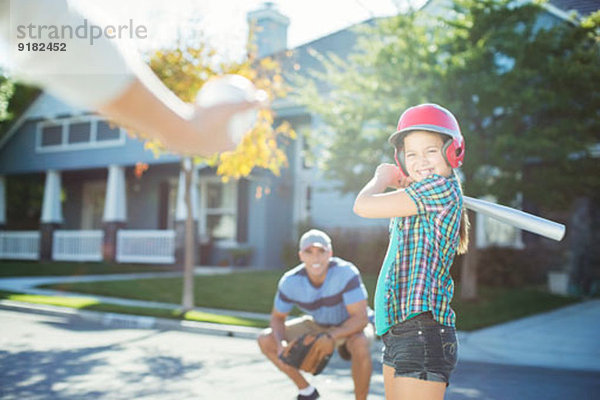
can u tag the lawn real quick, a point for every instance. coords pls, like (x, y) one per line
(88, 303)
(36, 268)
(243, 291)
(254, 291)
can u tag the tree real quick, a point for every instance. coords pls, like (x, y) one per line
(526, 94)
(7, 88)
(184, 70)
(14, 99)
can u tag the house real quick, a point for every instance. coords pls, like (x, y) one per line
(95, 207)
(98, 203)
(95, 201)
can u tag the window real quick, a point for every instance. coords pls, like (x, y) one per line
(106, 132)
(51, 135)
(494, 233)
(80, 132)
(76, 133)
(218, 209)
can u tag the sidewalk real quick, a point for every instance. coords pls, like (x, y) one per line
(566, 338)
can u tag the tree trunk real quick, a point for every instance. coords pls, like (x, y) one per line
(187, 300)
(468, 272)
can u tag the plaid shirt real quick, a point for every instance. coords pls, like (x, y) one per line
(415, 276)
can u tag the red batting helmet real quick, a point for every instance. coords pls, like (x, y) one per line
(431, 118)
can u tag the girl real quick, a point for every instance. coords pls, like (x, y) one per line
(428, 228)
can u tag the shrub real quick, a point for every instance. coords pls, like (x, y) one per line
(513, 267)
(364, 247)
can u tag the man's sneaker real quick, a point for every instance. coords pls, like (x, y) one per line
(313, 396)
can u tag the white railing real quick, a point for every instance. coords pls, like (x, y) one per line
(70, 245)
(20, 245)
(146, 246)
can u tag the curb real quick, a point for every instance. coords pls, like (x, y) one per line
(124, 321)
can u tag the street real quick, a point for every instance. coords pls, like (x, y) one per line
(63, 357)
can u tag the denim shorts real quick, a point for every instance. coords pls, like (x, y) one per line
(421, 348)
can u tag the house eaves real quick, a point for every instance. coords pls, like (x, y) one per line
(581, 7)
(36, 111)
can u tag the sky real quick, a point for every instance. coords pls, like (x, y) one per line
(224, 21)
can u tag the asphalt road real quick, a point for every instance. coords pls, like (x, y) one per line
(62, 357)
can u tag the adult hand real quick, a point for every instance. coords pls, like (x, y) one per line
(212, 125)
(323, 346)
(281, 346)
(309, 353)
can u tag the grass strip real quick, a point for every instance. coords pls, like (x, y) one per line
(86, 303)
(254, 291)
(498, 305)
(9, 268)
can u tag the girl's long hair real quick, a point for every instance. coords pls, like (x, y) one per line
(465, 225)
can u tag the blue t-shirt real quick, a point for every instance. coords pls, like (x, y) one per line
(327, 303)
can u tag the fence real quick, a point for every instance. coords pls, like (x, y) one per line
(69, 245)
(142, 246)
(20, 245)
(146, 246)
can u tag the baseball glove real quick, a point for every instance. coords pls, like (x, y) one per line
(302, 353)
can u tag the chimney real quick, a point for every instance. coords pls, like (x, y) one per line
(270, 29)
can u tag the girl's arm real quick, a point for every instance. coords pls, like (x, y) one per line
(372, 202)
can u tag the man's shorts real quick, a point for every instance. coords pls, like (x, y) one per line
(421, 348)
(299, 326)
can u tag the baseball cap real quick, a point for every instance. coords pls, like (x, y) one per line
(315, 237)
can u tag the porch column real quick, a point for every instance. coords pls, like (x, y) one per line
(2, 203)
(181, 213)
(115, 211)
(52, 216)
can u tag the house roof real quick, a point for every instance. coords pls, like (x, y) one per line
(582, 7)
(44, 106)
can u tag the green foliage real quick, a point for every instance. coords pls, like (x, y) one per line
(524, 85)
(184, 70)
(24, 193)
(14, 99)
(7, 89)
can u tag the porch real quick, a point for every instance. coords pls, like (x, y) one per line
(85, 215)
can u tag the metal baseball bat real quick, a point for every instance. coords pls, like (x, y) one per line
(517, 218)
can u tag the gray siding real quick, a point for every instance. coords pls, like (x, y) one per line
(331, 209)
(19, 155)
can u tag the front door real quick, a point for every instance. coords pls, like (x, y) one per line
(92, 210)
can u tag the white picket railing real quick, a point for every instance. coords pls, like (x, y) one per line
(146, 246)
(20, 245)
(71, 245)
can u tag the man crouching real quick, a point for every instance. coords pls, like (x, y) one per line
(331, 293)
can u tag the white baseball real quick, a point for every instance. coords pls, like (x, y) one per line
(232, 89)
